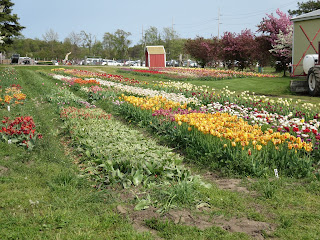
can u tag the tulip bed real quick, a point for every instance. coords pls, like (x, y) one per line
(117, 159)
(236, 133)
(10, 91)
(21, 130)
(195, 73)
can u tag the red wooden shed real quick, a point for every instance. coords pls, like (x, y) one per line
(155, 56)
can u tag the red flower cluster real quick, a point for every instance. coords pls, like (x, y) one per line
(17, 86)
(148, 71)
(21, 130)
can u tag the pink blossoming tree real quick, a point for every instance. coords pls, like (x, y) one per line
(278, 31)
(238, 48)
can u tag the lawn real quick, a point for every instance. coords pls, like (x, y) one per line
(56, 190)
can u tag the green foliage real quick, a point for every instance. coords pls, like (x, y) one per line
(9, 25)
(63, 97)
(113, 162)
(117, 44)
(305, 7)
(44, 183)
(183, 193)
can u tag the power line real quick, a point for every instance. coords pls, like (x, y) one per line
(256, 13)
(232, 17)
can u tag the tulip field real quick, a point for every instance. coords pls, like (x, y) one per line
(239, 134)
(89, 148)
(197, 73)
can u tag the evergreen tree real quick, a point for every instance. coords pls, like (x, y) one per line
(9, 26)
(305, 7)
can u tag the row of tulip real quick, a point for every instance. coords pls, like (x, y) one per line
(10, 91)
(92, 75)
(282, 106)
(284, 123)
(224, 139)
(203, 73)
(178, 97)
(220, 124)
(298, 127)
(307, 130)
(21, 130)
(74, 80)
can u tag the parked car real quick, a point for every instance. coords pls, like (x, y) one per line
(120, 62)
(172, 63)
(93, 61)
(109, 62)
(129, 63)
(190, 63)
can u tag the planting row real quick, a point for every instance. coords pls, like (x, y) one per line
(256, 114)
(206, 95)
(113, 154)
(222, 140)
(20, 130)
(10, 91)
(117, 154)
(196, 73)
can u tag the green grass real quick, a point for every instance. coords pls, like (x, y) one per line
(43, 197)
(264, 86)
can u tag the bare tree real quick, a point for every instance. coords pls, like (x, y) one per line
(87, 40)
(75, 38)
(51, 36)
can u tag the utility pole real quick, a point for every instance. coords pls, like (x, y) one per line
(172, 25)
(142, 33)
(219, 22)
(143, 44)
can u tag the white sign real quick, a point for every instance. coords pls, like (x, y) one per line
(276, 173)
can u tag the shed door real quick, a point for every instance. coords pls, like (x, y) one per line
(157, 60)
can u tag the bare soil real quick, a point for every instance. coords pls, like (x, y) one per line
(232, 184)
(3, 170)
(253, 228)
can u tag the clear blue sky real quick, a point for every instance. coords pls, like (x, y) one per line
(188, 17)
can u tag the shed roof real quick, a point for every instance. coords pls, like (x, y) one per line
(155, 49)
(307, 16)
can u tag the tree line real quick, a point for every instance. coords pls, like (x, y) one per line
(116, 45)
